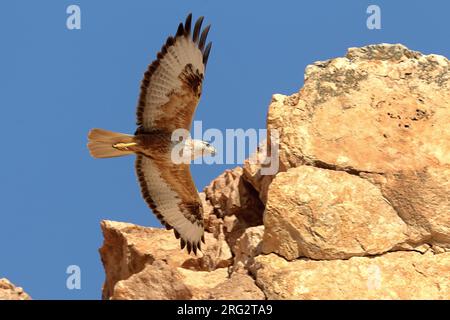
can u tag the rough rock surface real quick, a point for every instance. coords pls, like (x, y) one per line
(253, 173)
(218, 284)
(327, 214)
(359, 209)
(136, 268)
(157, 281)
(160, 281)
(8, 291)
(236, 205)
(246, 248)
(237, 287)
(395, 275)
(380, 115)
(127, 250)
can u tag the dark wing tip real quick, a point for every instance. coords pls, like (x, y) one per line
(180, 30)
(182, 243)
(168, 226)
(170, 41)
(206, 53)
(197, 27)
(187, 24)
(189, 247)
(203, 36)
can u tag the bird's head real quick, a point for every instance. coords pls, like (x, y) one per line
(202, 148)
(208, 148)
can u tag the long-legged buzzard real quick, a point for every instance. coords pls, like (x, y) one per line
(170, 92)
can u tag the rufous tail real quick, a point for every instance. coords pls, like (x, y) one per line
(101, 143)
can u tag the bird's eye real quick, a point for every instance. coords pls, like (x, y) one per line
(208, 145)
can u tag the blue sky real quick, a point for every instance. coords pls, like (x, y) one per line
(56, 84)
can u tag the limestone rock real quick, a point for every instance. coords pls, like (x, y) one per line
(237, 287)
(395, 275)
(247, 247)
(236, 205)
(422, 200)
(201, 282)
(208, 209)
(159, 281)
(380, 113)
(217, 284)
(359, 207)
(127, 249)
(230, 194)
(254, 173)
(156, 281)
(8, 291)
(327, 214)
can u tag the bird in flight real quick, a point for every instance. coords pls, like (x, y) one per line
(170, 91)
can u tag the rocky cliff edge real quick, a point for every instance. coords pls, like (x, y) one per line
(360, 208)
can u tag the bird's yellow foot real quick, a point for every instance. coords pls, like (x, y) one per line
(124, 146)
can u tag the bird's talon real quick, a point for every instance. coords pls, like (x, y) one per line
(123, 146)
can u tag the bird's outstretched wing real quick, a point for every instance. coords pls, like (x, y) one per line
(170, 92)
(170, 192)
(172, 85)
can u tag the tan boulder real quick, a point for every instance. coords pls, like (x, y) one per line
(254, 174)
(395, 275)
(127, 249)
(422, 200)
(247, 247)
(201, 282)
(157, 281)
(208, 209)
(217, 284)
(236, 205)
(381, 108)
(230, 194)
(380, 113)
(327, 214)
(237, 287)
(8, 291)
